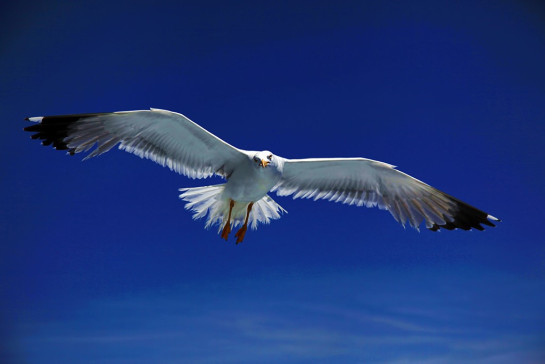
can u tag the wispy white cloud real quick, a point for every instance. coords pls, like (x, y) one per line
(203, 325)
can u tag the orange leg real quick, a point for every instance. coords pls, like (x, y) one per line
(227, 228)
(242, 231)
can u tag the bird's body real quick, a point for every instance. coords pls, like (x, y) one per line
(248, 183)
(173, 140)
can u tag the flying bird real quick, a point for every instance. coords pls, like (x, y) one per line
(172, 140)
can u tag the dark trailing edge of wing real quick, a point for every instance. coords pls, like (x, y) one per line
(52, 130)
(465, 217)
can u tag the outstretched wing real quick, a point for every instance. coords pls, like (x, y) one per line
(371, 183)
(165, 137)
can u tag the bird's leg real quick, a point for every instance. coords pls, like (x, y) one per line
(227, 228)
(242, 231)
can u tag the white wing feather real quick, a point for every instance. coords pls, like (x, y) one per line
(165, 137)
(371, 183)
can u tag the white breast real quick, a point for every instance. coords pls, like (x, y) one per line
(249, 183)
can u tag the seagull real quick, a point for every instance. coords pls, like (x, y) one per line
(171, 139)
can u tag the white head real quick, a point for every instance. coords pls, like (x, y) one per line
(264, 159)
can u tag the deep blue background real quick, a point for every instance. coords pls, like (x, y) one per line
(100, 263)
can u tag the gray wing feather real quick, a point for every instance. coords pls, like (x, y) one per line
(165, 137)
(365, 182)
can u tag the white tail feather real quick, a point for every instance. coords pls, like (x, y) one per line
(209, 200)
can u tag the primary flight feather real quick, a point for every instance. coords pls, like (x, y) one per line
(172, 140)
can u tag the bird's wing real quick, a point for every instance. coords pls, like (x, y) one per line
(371, 183)
(165, 137)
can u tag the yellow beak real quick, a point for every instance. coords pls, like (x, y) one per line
(264, 163)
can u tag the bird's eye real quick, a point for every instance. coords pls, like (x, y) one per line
(269, 157)
(256, 159)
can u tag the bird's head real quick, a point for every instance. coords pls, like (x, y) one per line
(263, 159)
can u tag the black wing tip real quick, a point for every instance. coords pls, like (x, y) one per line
(465, 217)
(53, 130)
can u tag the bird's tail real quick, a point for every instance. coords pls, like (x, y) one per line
(209, 201)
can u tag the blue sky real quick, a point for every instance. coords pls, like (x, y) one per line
(100, 263)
